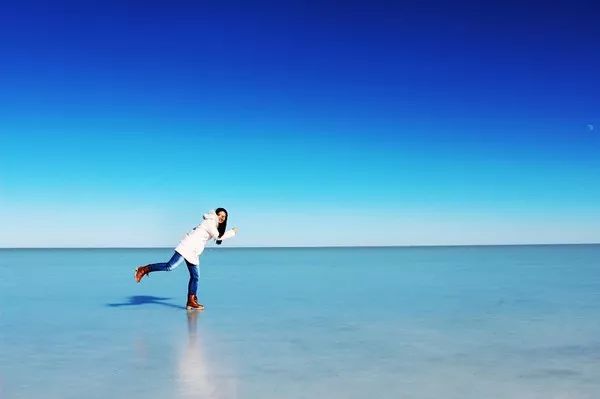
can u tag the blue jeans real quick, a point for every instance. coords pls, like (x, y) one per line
(175, 261)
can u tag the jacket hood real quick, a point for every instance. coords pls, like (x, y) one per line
(210, 216)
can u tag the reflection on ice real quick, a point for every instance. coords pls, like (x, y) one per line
(195, 378)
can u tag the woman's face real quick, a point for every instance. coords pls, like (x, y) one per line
(222, 216)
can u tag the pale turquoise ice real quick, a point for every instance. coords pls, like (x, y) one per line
(446, 322)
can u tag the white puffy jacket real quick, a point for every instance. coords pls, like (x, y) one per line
(192, 245)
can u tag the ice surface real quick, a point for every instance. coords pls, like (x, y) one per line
(463, 322)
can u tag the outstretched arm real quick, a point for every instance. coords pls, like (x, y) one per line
(229, 233)
(214, 232)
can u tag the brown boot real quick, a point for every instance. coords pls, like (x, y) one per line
(192, 303)
(140, 272)
(199, 304)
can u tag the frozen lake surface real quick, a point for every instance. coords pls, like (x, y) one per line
(438, 322)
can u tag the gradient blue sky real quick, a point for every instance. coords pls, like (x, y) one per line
(314, 123)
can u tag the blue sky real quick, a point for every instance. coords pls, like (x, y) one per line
(314, 123)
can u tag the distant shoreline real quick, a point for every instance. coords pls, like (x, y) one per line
(324, 246)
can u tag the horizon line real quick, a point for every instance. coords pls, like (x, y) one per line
(328, 246)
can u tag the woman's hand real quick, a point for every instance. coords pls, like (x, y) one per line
(235, 229)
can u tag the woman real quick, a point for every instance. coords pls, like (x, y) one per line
(189, 250)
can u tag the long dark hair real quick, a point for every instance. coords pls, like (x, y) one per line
(222, 226)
